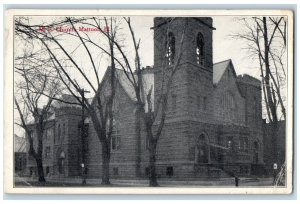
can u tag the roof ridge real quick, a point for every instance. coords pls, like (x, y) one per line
(222, 61)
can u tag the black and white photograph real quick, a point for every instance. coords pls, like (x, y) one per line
(149, 101)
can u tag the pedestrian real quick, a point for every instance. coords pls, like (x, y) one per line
(236, 180)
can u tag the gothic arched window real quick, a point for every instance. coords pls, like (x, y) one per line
(115, 137)
(228, 104)
(200, 49)
(170, 48)
(59, 132)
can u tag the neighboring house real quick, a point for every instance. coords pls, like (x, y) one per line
(61, 141)
(20, 154)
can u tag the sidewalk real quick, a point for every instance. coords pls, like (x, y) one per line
(162, 182)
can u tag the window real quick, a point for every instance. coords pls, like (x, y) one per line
(256, 110)
(47, 170)
(30, 134)
(228, 104)
(240, 144)
(46, 134)
(147, 171)
(115, 142)
(147, 142)
(245, 144)
(115, 137)
(115, 171)
(59, 132)
(198, 102)
(256, 146)
(64, 130)
(47, 152)
(169, 171)
(170, 55)
(192, 153)
(228, 101)
(204, 103)
(202, 151)
(174, 102)
(229, 143)
(241, 169)
(31, 169)
(200, 49)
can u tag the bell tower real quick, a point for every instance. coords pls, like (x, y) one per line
(190, 38)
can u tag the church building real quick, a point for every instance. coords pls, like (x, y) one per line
(213, 126)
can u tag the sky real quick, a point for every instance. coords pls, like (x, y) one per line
(224, 46)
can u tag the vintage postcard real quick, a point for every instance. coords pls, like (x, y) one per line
(149, 101)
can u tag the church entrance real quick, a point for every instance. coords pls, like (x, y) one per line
(202, 150)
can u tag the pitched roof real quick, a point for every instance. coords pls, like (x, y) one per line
(68, 99)
(219, 69)
(19, 144)
(148, 83)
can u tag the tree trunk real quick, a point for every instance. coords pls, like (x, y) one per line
(152, 160)
(274, 131)
(105, 164)
(267, 75)
(40, 169)
(138, 140)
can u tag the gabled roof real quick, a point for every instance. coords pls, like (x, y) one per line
(148, 83)
(219, 69)
(70, 101)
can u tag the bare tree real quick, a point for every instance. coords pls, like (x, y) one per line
(35, 79)
(134, 74)
(266, 39)
(63, 58)
(266, 43)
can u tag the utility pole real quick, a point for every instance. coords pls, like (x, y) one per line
(83, 130)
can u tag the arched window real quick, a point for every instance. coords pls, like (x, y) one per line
(59, 132)
(200, 49)
(246, 144)
(256, 146)
(63, 130)
(228, 104)
(170, 46)
(115, 137)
